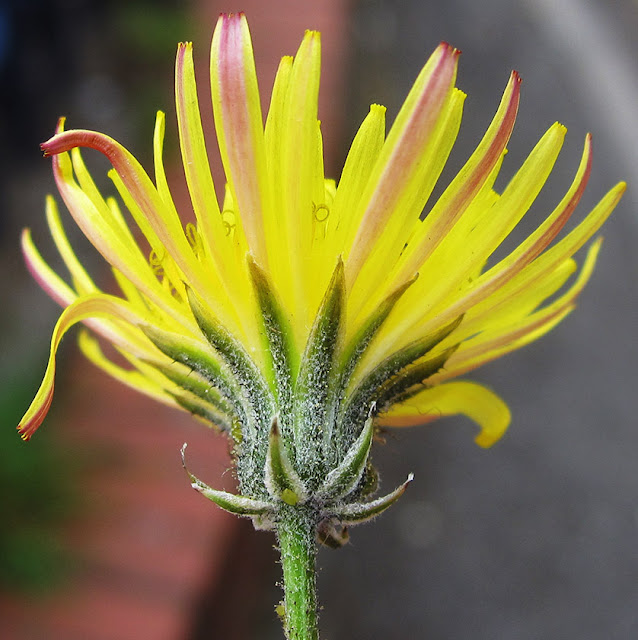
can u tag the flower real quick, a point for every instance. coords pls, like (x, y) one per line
(298, 314)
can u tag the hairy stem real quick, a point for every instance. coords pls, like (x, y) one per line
(296, 531)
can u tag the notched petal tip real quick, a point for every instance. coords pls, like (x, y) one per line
(27, 428)
(448, 49)
(183, 49)
(231, 20)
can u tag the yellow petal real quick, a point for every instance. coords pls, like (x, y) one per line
(362, 157)
(377, 275)
(466, 185)
(81, 279)
(50, 281)
(398, 165)
(239, 126)
(90, 347)
(548, 261)
(56, 288)
(301, 178)
(466, 247)
(195, 157)
(501, 308)
(92, 306)
(468, 398)
(498, 338)
(163, 220)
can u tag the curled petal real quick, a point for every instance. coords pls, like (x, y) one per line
(130, 377)
(91, 306)
(163, 220)
(81, 278)
(50, 281)
(468, 398)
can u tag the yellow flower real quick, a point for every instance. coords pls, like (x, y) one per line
(308, 302)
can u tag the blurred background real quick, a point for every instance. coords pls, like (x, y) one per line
(100, 534)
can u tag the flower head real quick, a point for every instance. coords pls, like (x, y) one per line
(299, 313)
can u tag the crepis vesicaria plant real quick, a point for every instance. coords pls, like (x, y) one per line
(300, 314)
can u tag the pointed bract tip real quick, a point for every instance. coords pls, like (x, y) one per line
(339, 271)
(253, 266)
(183, 453)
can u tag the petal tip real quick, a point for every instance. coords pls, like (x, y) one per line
(447, 49)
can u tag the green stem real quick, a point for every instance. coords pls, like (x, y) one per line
(296, 531)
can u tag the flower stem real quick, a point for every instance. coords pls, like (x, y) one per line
(296, 531)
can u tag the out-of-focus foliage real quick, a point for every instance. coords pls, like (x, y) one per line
(36, 496)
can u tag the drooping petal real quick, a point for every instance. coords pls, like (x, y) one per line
(477, 402)
(132, 378)
(81, 279)
(92, 306)
(50, 281)
(105, 232)
(125, 337)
